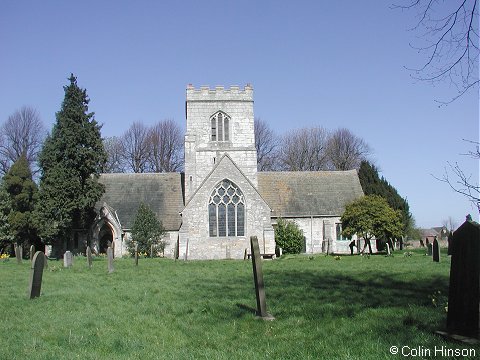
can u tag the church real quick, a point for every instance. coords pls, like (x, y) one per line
(211, 210)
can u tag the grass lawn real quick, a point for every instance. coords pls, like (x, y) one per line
(351, 308)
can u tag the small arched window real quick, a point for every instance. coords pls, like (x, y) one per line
(226, 210)
(220, 127)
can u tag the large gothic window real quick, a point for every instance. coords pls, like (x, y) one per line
(220, 128)
(226, 210)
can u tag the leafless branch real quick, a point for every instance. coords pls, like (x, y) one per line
(449, 39)
(266, 143)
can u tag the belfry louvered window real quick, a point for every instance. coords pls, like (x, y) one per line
(220, 127)
(226, 210)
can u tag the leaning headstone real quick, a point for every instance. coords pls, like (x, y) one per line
(36, 275)
(32, 252)
(388, 249)
(110, 260)
(464, 291)
(67, 259)
(18, 253)
(436, 251)
(88, 252)
(136, 254)
(258, 279)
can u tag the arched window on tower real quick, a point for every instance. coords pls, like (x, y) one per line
(226, 210)
(220, 127)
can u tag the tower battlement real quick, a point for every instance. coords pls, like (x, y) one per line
(219, 93)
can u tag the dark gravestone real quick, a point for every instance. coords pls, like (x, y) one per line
(429, 249)
(464, 292)
(32, 252)
(38, 263)
(113, 249)
(449, 242)
(136, 254)
(436, 251)
(88, 252)
(110, 260)
(258, 279)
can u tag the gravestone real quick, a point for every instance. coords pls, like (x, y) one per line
(136, 254)
(88, 252)
(113, 249)
(32, 252)
(464, 292)
(258, 280)
(245, 254)
(429, 249)
(46, 261)
(67, 259)
(449, 242)
(110, 260)
(388, 249)
(18, 253)
(436, 250)
(36, 273)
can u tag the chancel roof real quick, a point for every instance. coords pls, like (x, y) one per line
(162, 192)
(309, 193)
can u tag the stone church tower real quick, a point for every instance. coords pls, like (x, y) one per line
(223, 207)
(219, 121)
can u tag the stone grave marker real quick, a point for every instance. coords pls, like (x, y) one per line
(32, 252)
(110, 260)
(463, 316)
(436, 250)
(36, 274)
(136, 254)
(88, 252)
(388, 249)
(113, 249)
(67, 259)
(429, 249)
(18, 253)
(258, 280)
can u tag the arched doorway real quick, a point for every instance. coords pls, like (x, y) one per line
(105, 238)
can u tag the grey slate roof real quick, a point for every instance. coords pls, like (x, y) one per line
(161, 191)
(307, 193)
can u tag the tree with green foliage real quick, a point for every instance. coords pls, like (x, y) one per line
(22, 195)
(372, 184)
(147, 230)
(6, 238)
(288, 236)
(70, 163)
(370, 216)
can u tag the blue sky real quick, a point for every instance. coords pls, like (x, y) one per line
(311, 63)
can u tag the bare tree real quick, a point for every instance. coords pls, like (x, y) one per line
(114, 148)
(166, 147)
(22, 133)
(304, 150)
(450, 224)
(449, 40)
(266, 143)
(136, 148)
(461, 182)
(345, 151)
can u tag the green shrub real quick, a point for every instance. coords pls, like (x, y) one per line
(147, 230)
(289, 237)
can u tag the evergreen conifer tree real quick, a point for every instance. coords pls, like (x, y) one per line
(21, 191)
(372, 184)
(70, 162)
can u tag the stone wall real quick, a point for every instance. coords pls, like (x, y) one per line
(194, 233)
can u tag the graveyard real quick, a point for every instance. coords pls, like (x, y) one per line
(342, 307)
